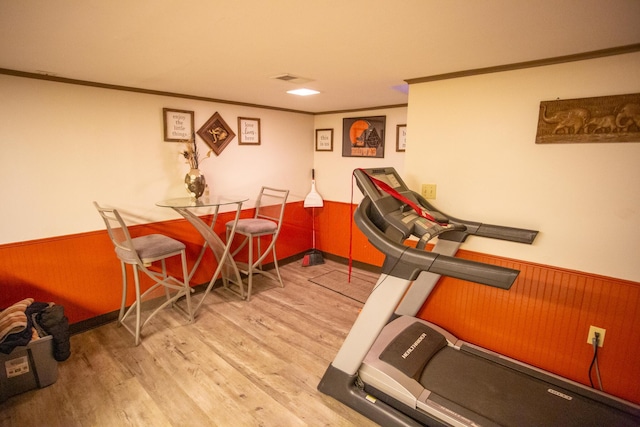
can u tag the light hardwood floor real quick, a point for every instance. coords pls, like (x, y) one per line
(238, 364)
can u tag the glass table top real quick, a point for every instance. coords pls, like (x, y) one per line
(204, 201)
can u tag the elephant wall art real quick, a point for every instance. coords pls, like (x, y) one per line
(613, 118)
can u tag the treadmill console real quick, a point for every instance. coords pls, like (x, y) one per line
(398, 211)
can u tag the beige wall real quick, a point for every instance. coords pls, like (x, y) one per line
(475, 138)
(63, 146)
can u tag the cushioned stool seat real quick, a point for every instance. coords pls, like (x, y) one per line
(267, 221)
(141, 252)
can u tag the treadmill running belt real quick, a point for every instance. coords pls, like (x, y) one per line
(509, 397)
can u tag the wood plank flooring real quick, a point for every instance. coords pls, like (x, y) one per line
(240, 363)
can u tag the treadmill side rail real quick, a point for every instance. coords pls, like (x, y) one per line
(342, 387)
(375, 314)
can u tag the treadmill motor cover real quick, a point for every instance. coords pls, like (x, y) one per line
(412, 349)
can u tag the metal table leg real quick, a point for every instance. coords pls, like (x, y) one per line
(227, 268)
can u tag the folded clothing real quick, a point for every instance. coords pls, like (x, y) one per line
(13, 319)
(26, 319)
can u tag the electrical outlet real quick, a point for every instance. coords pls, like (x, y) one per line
(592, 331)
(429, 191)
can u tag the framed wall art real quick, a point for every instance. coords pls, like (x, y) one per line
(363, 136)
(324, 139)
(178, 124)
(401, 137)
(248, 131)
(614, 118)
(216, 133)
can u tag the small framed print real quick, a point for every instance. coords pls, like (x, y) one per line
(249, 131)
(324, 139)
(216, 133)
(401, 137)
(178, 125)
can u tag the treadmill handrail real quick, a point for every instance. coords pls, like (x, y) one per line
(407, 262)
(501, 232)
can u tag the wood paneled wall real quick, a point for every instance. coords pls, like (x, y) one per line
(82, 273)
(543, 320)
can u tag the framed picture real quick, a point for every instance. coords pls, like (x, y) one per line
(324, 139)
(401, 137)
(216, 133)
(602, 119)
(363, 136)
(178, 124)
(249, 131)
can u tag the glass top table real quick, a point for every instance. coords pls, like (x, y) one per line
(202, 202)
(227, 268)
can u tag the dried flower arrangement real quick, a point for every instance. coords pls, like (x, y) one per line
(191, 153)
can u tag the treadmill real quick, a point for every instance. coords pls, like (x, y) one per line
(399, 370)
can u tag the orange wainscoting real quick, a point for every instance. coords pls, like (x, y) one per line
(82, 273)
(542, 320)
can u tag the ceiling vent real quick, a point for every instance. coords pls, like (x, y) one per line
(291, 78)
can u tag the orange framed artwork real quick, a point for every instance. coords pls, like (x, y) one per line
(363, 136)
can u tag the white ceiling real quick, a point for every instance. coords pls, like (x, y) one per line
(356, 52)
